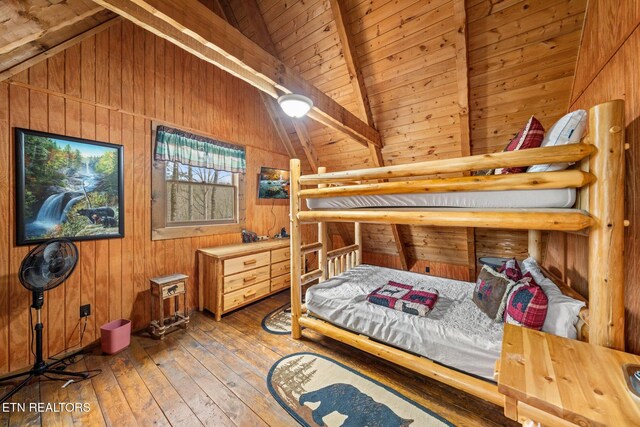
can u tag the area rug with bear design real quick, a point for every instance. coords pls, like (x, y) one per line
(319, 391)
(278, 321)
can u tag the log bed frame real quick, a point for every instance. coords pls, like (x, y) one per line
(600, 212)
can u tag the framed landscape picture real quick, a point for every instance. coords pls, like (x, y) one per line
(67, 187)
(273, 183)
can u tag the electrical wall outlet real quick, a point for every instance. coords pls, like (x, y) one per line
(85, 310)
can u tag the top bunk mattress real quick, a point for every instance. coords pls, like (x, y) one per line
(508, 199)
(456, 333)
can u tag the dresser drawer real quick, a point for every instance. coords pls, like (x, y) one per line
(281, 282)
(279, 255)
(245, 278)
(280, 268)
(244, 263)
(242, 296)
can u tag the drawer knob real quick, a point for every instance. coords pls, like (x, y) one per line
(249, 294)
(249, 279)
(250, 261)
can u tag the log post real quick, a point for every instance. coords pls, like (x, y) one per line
(535, 245)
(296, 245)
(358, 241)
(606, 236)
(323, 237)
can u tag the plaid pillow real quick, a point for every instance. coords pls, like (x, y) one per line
(511, 269)
(527, 304)
(530, 136)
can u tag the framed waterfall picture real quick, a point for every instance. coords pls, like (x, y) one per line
(67, 188)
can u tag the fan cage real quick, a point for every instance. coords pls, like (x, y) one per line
(48, 265)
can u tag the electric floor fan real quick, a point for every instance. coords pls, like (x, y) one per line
(46, 266)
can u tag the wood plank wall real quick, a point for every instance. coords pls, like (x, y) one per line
(522, 57)
(608, 69)
(110, 88)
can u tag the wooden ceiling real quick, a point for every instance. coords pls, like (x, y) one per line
(429, 74)
(28, 28)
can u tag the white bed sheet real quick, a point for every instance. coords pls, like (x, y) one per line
(523, 199)
(456, 333)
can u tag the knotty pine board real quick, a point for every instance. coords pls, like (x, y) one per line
(109, 88)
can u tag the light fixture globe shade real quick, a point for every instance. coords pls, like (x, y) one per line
(295, 105)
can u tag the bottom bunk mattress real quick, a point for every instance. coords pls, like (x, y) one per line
(456, 333)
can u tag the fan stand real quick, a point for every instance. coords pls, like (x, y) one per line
(40, 367)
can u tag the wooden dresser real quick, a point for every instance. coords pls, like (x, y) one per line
(236, 275)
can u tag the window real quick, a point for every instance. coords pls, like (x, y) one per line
(199, 195)
(193, 200)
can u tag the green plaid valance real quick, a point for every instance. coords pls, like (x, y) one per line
(194, 150)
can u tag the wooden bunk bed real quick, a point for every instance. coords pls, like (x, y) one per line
(599, 211)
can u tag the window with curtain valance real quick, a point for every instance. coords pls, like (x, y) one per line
(197, 185)
(175, 145)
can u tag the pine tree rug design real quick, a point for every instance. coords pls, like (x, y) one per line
(278, 321)
(318, 391)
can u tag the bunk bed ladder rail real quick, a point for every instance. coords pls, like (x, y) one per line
(295, 241)
(330, 263)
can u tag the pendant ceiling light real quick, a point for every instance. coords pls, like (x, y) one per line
(295, 105)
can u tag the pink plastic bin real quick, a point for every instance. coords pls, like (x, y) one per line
(116, 336)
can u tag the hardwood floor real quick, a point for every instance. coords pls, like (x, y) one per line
(214, 374)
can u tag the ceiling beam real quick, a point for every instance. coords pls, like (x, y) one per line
(272, 108)
(462, 70)
(195, 28)
(42, 56)
(253, 16)
(261, 35)
(343, 28)
(305, 142)
(222, 8)
(47, 30)
(350, 55)
(462, 74)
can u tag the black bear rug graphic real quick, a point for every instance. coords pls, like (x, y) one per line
(318, 391)
(278, 321)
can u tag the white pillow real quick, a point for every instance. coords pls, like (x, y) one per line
(568, 130)
(562, 313)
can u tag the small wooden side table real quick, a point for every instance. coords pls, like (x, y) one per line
(163, 288)
(556, 381)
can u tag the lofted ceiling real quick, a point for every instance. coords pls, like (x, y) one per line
(442, 78)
